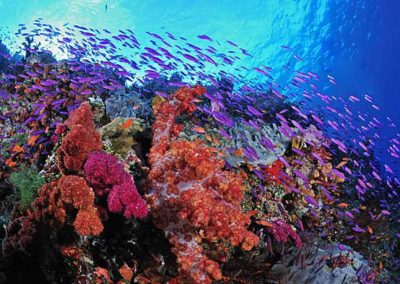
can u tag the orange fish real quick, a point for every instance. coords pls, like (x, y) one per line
(216, 141)
(199, 129)
(208, 137)
(18, 149)
(238, 152)
(10, 163)
(370, 230)
(264, 223)
(128, 123)
(343, 205)
(341, 164)
(32, 140)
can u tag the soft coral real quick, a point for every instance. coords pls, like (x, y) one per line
(193, 199)
(107, 175)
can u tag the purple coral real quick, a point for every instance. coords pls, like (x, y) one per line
(107, 175)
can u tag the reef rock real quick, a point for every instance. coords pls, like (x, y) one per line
(125, 104)
(267, 142)
(121, 132)
(326, 263)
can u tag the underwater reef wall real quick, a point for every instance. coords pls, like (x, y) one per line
(145, 168)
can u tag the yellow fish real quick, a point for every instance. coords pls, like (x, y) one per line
(157, 101)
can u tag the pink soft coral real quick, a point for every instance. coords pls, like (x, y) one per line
(107, 175)
(103, 171)
(126, 196)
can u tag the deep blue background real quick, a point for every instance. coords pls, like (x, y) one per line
(365, 50)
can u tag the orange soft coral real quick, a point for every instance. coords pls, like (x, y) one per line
(48, 206)
(51, 206)
(193, 200)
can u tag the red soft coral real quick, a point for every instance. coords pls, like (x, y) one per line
(193, 200)
(79, 142)
(19, 233)
(88, 222)
(81, 116)
(48, 206)
(273, 171)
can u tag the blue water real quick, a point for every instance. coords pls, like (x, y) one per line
(357, 41)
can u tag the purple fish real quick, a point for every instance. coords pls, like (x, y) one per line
(254, 111)
(205, 37)
(311, 200)
(357, 229)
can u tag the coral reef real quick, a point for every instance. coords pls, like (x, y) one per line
(242, 182)
(127, 105)
(52, 205)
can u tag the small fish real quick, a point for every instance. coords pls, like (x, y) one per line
(128, 123)
(311, 200)
(10, 163)
(388, 169)
(205, 37)
(18, 149)
(254, 111)
(349, 214)
(199, 129)
(358, 229)
(297, 57)
(32, 140)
